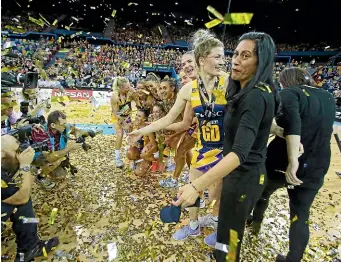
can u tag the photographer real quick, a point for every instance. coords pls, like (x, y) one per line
(16, 204)
(56, 133)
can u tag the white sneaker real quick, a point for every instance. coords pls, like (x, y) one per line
(202, 203)
(207, 221)
(119, 163)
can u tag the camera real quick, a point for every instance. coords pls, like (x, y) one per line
(81, 139)
(11, 79)
(34, 120)
(24, 136)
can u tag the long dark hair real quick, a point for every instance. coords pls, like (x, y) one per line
(265, 50)
(295, 76)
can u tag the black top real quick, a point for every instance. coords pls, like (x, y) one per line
(247, 127)
(307, 112)
(7, 187)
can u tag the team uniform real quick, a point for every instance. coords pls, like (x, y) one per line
(210, 133)
(124, 110)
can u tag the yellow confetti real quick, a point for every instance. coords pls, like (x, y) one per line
(212, 204)
(129, 4)
(79, 215)
(53, 216)
(139, 36)
(67, 28)
(55, 22)
(3, 183)
(113, 13)
(215, 12)
(295, 218)
(44, 252)
(213, 23)
(47, 22)
(4, 214)
(36, 21)
(233, 246)
(229, 18)
(261, 179)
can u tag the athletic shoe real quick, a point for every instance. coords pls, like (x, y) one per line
(211, 239)
(207, 221)
(169, 182)
(255, 227)
(45, 182)
(202, 203)
(281, 258)
(119, 163)
(170, 168)
(185, 178)
(37, 251)
(185, 232)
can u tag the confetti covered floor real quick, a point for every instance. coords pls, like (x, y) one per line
(102, 206)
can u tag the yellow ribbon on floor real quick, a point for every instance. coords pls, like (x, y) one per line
(228, 18)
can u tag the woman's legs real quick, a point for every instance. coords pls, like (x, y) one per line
(118, 144)
(239, 194)
(183, 155)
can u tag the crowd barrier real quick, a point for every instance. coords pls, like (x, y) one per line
(96, 96)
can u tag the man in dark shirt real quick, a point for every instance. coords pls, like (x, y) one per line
(16, 204)
(307, 116)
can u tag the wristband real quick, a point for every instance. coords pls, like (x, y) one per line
(25, 168)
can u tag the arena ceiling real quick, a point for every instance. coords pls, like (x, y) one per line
(286, 20)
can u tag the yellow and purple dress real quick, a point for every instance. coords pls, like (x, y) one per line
(209, 148)
(124, 109)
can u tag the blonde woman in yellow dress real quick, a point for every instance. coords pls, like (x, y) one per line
(120, 102)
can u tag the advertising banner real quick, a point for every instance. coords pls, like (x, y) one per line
(73, 94)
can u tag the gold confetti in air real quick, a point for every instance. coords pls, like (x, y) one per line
(113, 13)
(45, 20)
(67, 28)
(229, 18)
(55, 22)
(36, 21)
(3, 184)
(131, 3)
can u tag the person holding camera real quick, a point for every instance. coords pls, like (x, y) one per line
(16, 204)
(56, 134)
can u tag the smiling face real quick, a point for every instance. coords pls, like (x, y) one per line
(124, 88)
(188, 65)
(213, 63)
(244, 62)
(184, 79)
(139, 90)
(153, 87)
(166, 90)
(140, 117)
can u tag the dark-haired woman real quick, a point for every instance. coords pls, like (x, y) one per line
(142, 151)
(247, 123)
(307, 117)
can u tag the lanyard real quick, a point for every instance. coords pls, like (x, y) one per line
(205, 100)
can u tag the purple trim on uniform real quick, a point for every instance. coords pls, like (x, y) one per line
(207, 167)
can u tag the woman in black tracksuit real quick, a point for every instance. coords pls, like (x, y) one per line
(251, 108)
(307, 117)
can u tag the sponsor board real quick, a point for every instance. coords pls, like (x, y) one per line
(73, 94)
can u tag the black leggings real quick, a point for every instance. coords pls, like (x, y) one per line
(26, 234)
(241, 190)
(300, 203)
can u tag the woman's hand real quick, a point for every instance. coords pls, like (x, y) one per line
(187, 196)
(134, 136)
